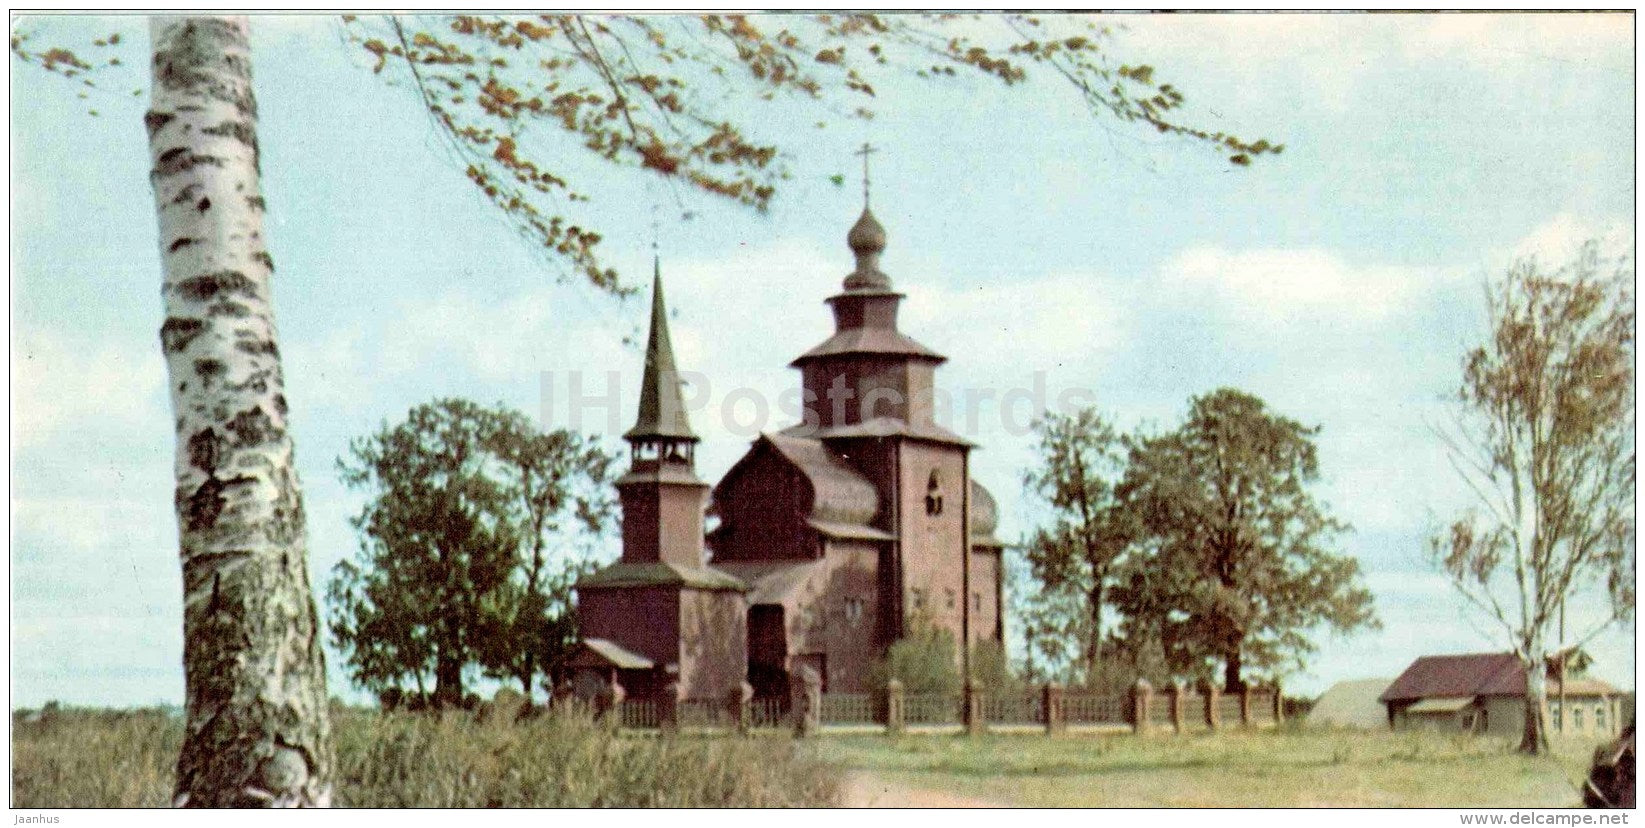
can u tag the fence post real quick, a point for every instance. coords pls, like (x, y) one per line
(1178, 708)
(973, 713)
(1141, 696)
(1213, 705)
(1055, 716)
(1279, 705)
(805, 695)
(1244, 705)
(893, 707)
(737, 704)
(668, 708)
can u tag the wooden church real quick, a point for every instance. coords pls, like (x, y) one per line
(834, 538)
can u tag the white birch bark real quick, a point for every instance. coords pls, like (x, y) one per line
(257, 730)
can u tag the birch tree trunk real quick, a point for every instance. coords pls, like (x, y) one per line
(257, 730)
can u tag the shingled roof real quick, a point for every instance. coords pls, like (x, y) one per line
(840, 494)
(662, 412)
(1473, 674)
(660, 573)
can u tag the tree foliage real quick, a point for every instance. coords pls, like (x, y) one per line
(1544, 438)
(1072, 559)
(467, 548)
(925, 661)
(519, 99)
(1233, 563)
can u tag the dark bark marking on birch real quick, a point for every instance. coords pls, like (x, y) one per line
(238, 130)
(155, 121)
(280, 404)
(205, 450)
(264, 257)
(258, 347)
(180, 160)
(177, 333)
(207, 285)
(257, 203)
(186, 194)
(225, 307)
(205, 506)
(252, 427)
(209, 369)
(180, 244)
(203, 205)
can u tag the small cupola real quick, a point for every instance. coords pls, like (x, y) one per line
(867, 241)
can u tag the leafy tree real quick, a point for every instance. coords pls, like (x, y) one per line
(1544, 438)
(452, 573)
(1072, 560)
(1234, 563)
(558, 493)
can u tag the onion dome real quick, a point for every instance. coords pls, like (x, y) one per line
(867, 241)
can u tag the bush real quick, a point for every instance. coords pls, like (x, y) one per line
(924, 661)
(455, 760)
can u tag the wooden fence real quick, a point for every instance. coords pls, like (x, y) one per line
(1049, 708)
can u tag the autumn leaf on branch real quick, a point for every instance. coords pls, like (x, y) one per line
(516, 97)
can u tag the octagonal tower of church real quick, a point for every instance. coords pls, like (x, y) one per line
(862, 523)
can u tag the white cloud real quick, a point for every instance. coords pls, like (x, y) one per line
(81, 383)
(1558, 239)
(1274, 284)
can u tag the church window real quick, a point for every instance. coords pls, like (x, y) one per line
(933, 494)
(853, 611)
(1599, 717)
(918, 598)
(976, 602)
(1576, 718)
(950, 597)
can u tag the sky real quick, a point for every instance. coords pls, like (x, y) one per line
(1341, 281)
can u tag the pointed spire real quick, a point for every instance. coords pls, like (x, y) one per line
(662, 413)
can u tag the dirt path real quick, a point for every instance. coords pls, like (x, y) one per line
(863, 790)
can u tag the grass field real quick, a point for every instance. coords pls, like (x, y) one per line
(1285, 768)
(126, 759)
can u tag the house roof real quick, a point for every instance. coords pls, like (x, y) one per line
(851, 341)
(773, 582)
(660, 573)
(612, 653)
(880, 427)
(1439, 705)
(1473, 674)
(840, 494)
(1351, 704)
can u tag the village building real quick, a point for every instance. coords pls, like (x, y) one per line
(1485, 693)
(834, 537)
(1351, 704)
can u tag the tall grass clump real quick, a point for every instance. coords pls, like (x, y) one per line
(407, 760)
(456, 760)
(94, 759)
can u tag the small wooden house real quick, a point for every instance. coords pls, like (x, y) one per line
(1484, 693)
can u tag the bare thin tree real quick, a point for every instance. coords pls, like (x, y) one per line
(1544, 438)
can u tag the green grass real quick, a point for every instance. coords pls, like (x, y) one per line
(1291, 767)
(127, 759)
